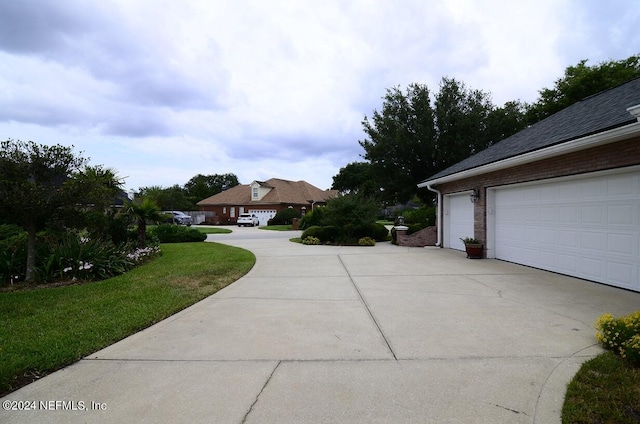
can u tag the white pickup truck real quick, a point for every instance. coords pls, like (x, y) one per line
(248, 220)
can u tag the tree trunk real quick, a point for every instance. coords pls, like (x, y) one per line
(30, 275)
(142, 234)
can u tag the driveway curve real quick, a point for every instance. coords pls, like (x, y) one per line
(316, 334)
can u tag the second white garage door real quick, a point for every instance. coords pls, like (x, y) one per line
(587, 227)
(459, 211)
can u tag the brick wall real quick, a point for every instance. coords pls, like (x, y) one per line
(609, 156)
(425, 237)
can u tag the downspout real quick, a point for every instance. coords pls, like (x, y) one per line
(438, 215)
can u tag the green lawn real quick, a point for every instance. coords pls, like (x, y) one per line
(606, 390)
(213, 230)
(277, 227)
(48, 328)
(385, 222)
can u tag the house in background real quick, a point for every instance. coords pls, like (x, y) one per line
(264, 199)
(562, 195)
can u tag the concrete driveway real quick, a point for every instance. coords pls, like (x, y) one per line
(320, 334)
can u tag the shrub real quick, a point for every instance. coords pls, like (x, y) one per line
(379, 232)
(330, 234)
(167, 233)
(366, 241)
(311, 240)
(313, 231)
(426, 216)
(284, 217)
(620, 335)
(8, 231)
(76, 257)
(314, 217)
(13, 256)
(352, 215)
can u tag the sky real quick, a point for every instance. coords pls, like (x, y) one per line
(163, 90)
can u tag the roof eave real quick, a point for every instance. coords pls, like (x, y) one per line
(594, 140)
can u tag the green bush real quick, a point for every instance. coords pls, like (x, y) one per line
(426, 216)
(168, 233)
(13, 256)
(379, 232)
(284, 217)
(8, 231)
(352, 215)
(67, 256)
(333, 234)
(315, 217)
(313, 231)
(76, 257)
(329, 234)
(621, 335)
(366, 241)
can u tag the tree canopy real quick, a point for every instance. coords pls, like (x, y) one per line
(417, 133)
(356, 178)
(185, 197)
(413, 137)
(36, 188)
(581, 81)
(202, 186)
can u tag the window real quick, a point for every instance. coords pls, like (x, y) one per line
(254, 193)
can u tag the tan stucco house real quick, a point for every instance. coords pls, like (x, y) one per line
(561, 195)
(263, 199)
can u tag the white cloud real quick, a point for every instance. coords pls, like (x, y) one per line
(164, 90)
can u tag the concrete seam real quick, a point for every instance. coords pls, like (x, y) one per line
(366, 306)
(244, 419)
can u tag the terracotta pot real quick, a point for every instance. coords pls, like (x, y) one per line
(474, 251)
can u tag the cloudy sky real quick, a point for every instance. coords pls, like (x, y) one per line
(162, 90)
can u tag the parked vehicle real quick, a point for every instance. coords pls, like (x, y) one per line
(177, 217)
(248, 220)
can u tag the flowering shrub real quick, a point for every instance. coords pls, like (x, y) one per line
(311, 240)
(620, 335)
(366, 241)
(142, 254)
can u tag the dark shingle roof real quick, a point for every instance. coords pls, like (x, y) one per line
(591, 115)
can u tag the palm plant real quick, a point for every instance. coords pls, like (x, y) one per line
(143, 212)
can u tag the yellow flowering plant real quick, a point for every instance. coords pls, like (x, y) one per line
(620, 335)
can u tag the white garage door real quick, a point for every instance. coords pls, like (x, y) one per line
(458, 211)
(263, 215)
(587, 227)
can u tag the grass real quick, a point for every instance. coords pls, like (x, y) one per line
(277, 227)
(213, 230)
(606, 390)
(48, 328)
(385, 222)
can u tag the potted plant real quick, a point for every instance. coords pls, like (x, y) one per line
(473, 247)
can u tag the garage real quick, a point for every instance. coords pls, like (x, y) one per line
(587, 227)
(263, 215)
(459, 210)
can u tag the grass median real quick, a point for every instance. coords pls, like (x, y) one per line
(46, 329)
(606, 389)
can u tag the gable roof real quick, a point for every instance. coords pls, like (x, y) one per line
(594, 114)
(282, 191)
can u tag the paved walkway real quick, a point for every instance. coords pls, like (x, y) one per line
(319, 334)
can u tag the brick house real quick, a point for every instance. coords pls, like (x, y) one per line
(263, 199)
(562, 195)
